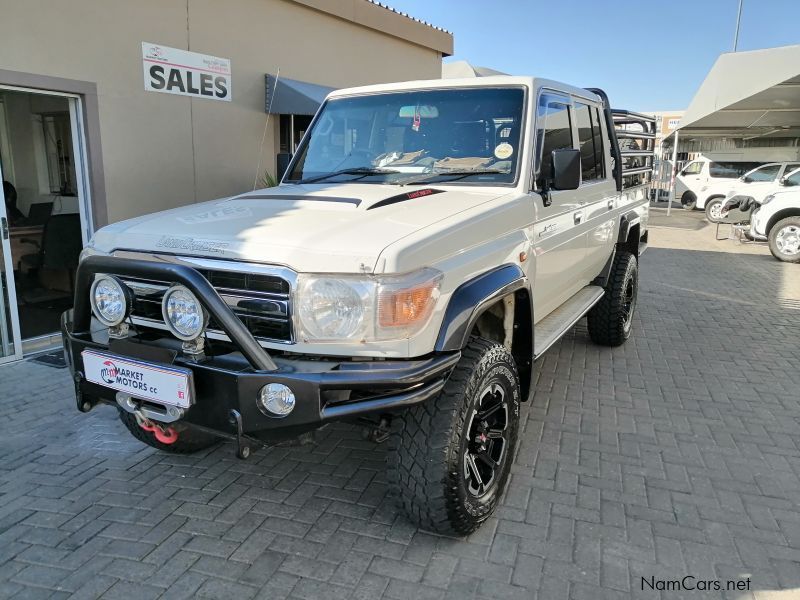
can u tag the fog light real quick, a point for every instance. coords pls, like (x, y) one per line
(275, 400)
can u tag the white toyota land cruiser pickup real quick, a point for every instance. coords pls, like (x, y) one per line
(429, 241)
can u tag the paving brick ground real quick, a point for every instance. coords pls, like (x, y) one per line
(677, 454)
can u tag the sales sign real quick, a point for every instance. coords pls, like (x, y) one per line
(175, 71)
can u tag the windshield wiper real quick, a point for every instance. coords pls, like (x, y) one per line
(363, 171)
(460, 174)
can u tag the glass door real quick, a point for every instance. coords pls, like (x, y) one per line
(10, 344)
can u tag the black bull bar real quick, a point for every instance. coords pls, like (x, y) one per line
(225, 391)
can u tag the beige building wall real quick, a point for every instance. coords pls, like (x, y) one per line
(161, 150)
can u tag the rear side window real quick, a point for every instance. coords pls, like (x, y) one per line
(590, 140)
(731, 170)
(555, 133)
(791, 167)
(693, 168)
(768, 173)
(792, 179)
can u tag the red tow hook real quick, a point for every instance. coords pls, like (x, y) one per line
(166, 435)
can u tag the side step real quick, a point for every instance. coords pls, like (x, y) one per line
(550, 329)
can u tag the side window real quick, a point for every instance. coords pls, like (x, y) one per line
(768, 173)
(791, 167)
(590, 141)
(554, 132)
(693, 168)
(793, 179)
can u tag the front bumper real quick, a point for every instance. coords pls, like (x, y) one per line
(227, 381)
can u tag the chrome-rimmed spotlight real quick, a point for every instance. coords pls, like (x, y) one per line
(275, 400)
(110, 300)
(183, 314)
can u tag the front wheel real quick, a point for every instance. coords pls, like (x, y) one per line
(714, 210)
(450, 457)
(610, 321)
(689, 200)
(784, 240)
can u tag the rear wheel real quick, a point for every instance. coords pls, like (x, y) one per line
(714, 210)
(610, 321)
(689, 200)
(784, 240)
(451, 456)
(189, 440)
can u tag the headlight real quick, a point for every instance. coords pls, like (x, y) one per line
(769, 198)
(110, 300)
(183, 313)
(362, 308)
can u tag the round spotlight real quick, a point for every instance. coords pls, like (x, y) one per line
(110, 300)
(276, 400)
(183, 313)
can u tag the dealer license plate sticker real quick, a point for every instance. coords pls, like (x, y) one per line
(147, 381)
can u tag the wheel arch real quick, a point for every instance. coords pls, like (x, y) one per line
(708, 199)
(497, 305)
(791, 211)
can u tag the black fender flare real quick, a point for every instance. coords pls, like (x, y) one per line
(626, 223)
(472, 298)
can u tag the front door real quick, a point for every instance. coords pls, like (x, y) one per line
(559, 236)
(10, 341)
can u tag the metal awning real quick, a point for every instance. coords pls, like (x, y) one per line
(292, 97)
(748, 94)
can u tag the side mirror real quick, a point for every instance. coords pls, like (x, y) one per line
(782, 181)
(566, 169)
(746, 179)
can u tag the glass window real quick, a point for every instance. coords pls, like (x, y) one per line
(768, 173)
(554, 133)
(590, 142)
(793, 178)
(731, 170)
(458, 135)
(791, 167)
(693, 168)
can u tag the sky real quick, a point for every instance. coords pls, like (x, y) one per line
(646, 55)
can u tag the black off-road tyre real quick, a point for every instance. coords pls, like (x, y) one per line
(689, 200)
(783, 240)
(434, 446)
(189, 440)
(610, 320)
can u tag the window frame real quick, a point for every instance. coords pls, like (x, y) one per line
(555, 97)
(576, 138)
(523, 139)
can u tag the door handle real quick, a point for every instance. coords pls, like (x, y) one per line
(578, 216)
(4, 227)
(611, 204)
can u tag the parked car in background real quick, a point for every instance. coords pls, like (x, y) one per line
(757, 183)
(694, 178)
(778, 219)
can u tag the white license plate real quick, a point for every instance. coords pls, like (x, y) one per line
(146, 381)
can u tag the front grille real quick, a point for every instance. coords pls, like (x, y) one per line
(262, 302)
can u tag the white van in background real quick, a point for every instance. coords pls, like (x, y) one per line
(757, 183)
(695, 177)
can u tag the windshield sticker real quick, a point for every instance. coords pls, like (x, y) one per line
(503, 151)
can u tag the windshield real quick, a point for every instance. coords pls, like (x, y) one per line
(459, 135)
